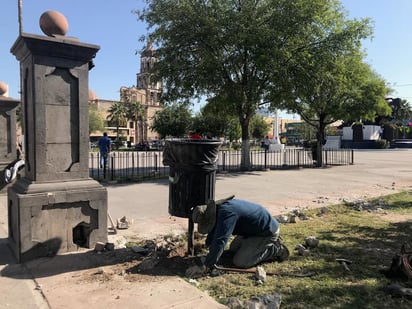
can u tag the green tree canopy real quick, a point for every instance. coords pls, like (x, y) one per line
(216, 120)
(242, 53)
(96, 120)
(136, 112)
(336, 86)
(174, 120)
(259, 127)
(117, 116)
(401, 110)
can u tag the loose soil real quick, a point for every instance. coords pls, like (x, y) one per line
(163, 257)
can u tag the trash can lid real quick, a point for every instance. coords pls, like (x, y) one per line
(191, 154)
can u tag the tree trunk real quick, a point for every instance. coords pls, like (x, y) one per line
(136, 132)
(143, 137)
(245, 150)
(320, 141)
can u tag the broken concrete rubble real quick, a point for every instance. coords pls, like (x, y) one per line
(260, 274)
(266, 301)
(311, 242)
(124, 223)
(302, 250)
(378, 206)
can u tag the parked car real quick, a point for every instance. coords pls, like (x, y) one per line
(142, 146)
(147, 146)
(154, 145)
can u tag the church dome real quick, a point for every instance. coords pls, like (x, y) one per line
(3, 88)
(92, 95)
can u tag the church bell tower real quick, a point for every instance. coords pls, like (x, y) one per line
(147, 62)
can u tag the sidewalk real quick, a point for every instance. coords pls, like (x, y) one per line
(55, 282)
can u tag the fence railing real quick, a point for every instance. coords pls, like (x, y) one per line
(142, 165)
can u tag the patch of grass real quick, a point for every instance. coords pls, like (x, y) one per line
(363, 237)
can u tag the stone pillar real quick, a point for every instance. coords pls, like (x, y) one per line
(56, 207)
(8, 151)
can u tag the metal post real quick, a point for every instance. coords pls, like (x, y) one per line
(190, 238)
(266, 155)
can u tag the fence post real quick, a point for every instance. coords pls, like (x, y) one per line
(112, 167)
(155, 162)
(133, 164)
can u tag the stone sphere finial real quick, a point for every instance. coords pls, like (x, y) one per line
(3, 88)
(53, 23)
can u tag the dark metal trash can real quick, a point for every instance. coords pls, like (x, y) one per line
(192, 176)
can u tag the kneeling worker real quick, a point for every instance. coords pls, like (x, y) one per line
(257, 234)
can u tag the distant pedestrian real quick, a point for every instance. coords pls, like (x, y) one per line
(266, 143)
(105, 146)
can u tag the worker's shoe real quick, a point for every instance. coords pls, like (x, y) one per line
(280, 252)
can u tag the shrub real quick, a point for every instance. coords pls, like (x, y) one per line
(236, 145)
(381, 144)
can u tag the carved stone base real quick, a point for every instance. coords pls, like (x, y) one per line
(45, 219)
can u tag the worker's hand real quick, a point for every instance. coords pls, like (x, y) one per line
(196, 271)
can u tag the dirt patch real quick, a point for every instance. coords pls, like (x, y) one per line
(144, 260)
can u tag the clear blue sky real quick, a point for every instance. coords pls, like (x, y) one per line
(111, 25)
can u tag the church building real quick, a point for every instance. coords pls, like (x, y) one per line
(146, 93)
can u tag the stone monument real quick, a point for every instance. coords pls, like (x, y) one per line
(55, 207)
(8, 151)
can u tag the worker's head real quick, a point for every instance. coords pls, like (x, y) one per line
(104, 133)
(205, 217)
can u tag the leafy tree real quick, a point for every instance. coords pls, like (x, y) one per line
(117, 116)
(233, 130)
(401, 115)
(401, 110)
(342, 89)
(96, 120)
(136, 112)
(214, 119)
(259, 127)
(174, 120)
(305, 131)
(240, 53)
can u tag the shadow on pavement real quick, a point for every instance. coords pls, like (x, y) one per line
(68, 262)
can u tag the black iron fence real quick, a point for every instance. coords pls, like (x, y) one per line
(145, 165)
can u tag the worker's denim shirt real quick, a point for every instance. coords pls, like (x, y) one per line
(238, 217)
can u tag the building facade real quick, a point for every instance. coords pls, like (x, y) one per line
(146, 93)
